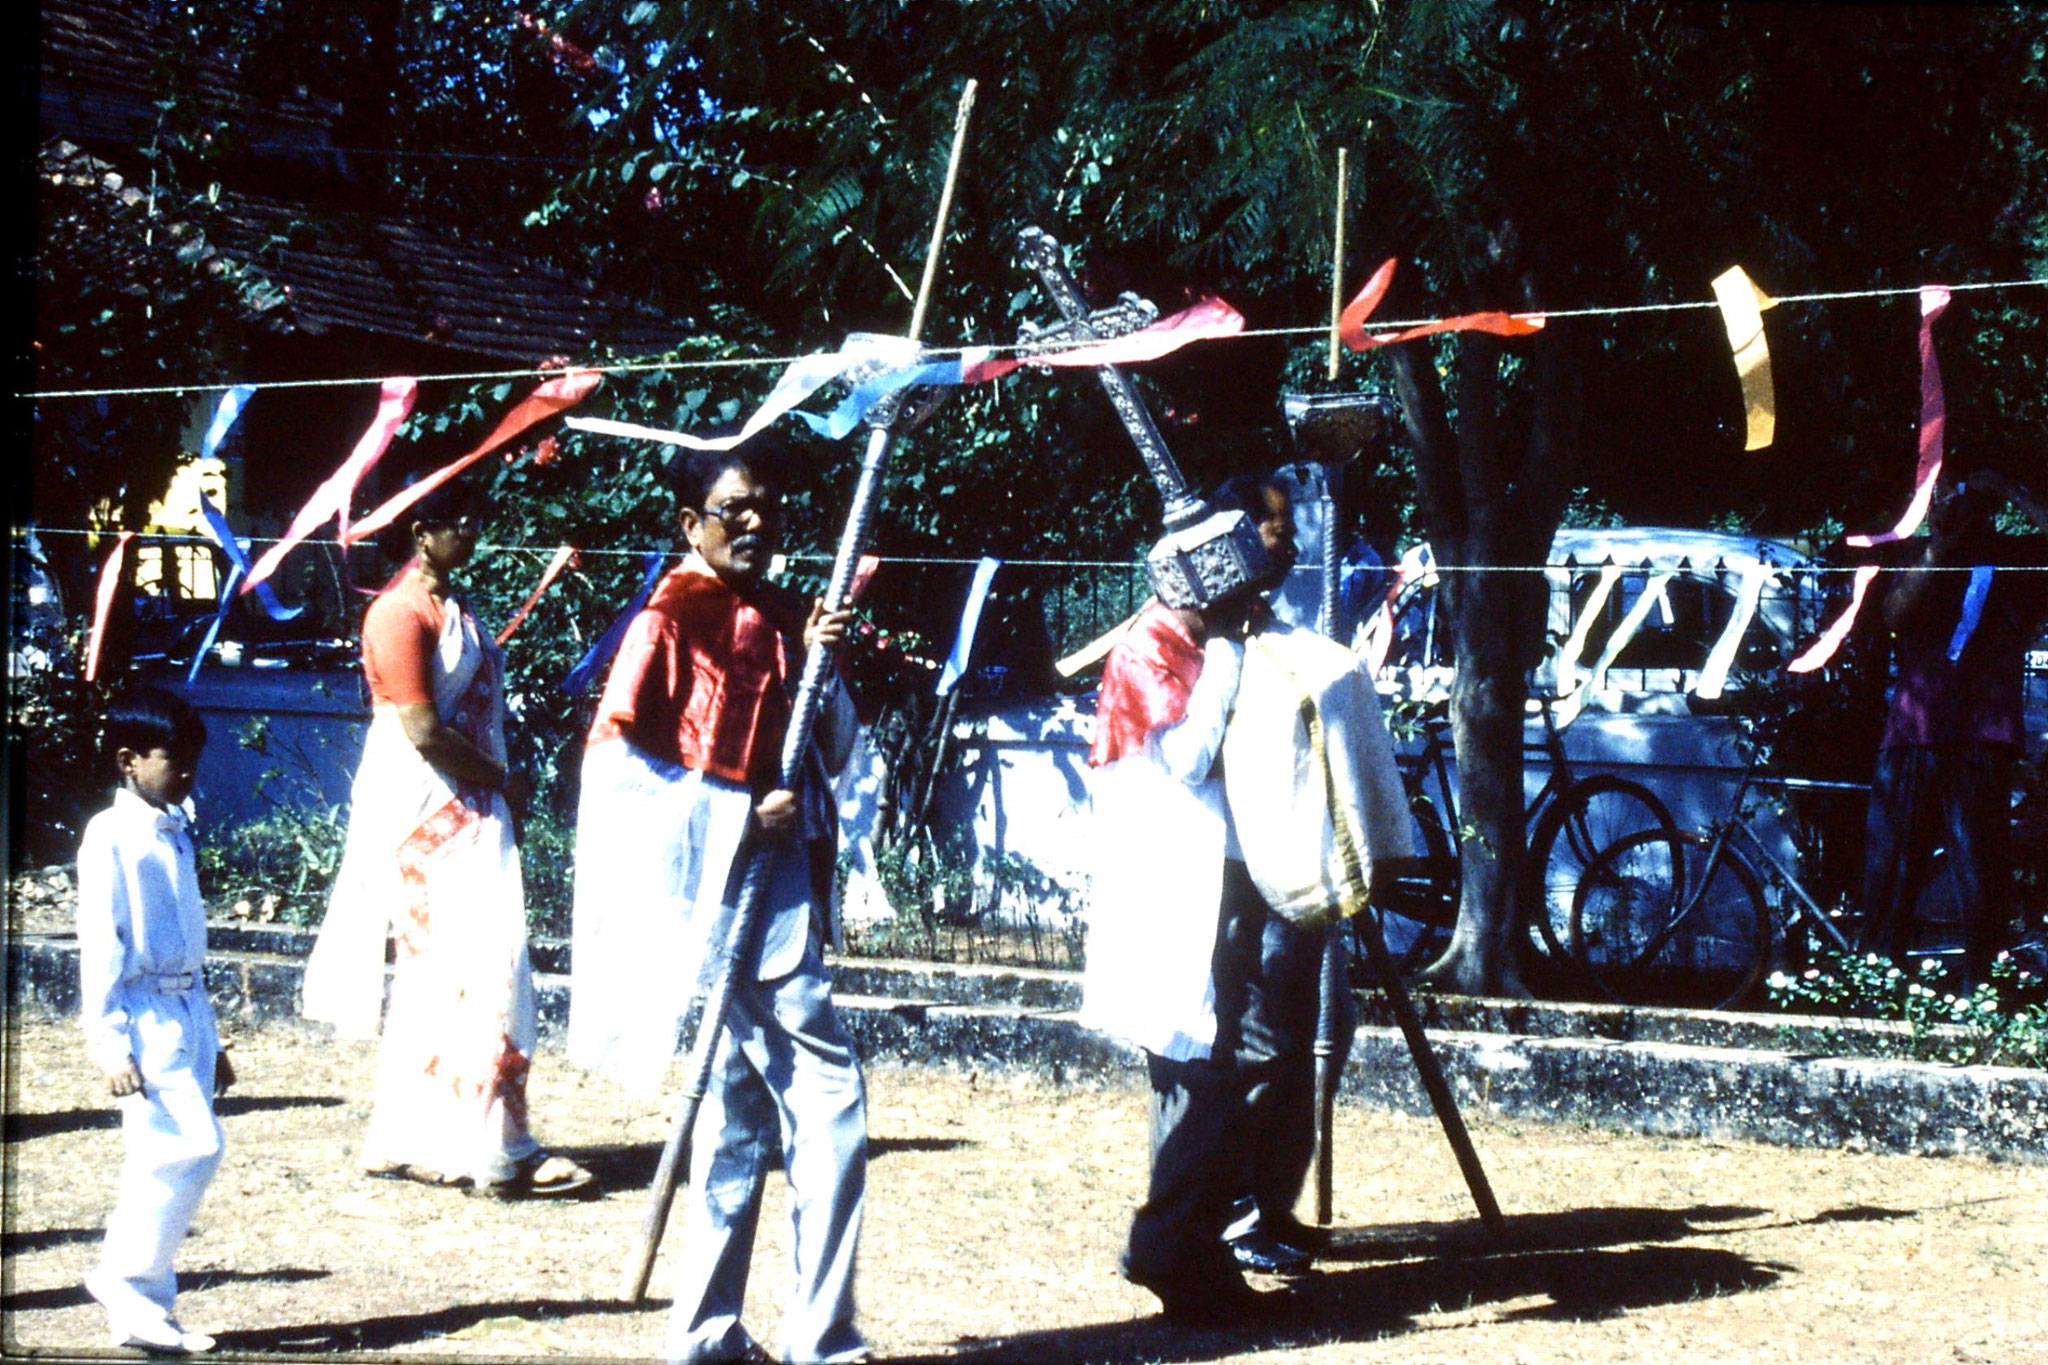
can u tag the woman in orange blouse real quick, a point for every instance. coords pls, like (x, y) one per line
(431, 860)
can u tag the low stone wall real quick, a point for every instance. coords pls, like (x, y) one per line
(1670, 1072)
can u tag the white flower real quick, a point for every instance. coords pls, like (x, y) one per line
(1811, 973)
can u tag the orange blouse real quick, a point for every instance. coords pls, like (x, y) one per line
(400, 633)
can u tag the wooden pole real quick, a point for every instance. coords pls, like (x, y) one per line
(931, 254)
(1337, 261)
(739, 951)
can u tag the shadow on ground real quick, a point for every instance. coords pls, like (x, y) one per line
(1577, 1266)
(22, 1127)
(631, 1168)
(405, 1329)
(23, 1243)
(74, 1295)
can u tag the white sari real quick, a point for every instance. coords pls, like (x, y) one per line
(433, 866)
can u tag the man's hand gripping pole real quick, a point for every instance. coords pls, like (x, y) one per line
(737, 955)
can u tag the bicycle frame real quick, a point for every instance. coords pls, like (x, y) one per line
(1722, 835)
(1431, 761)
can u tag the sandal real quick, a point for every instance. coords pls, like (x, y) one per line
(540, 1176)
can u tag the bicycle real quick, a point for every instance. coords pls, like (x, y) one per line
(1568, 822)
(1664, 914)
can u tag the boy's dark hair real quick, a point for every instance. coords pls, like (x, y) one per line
(1245, 493)
(693, 473)
(148, 718)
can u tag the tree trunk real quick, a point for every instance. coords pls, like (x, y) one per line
(1488, 690)
(1491, 503)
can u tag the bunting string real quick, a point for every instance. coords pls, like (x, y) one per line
(541, 551)
(1024, 349)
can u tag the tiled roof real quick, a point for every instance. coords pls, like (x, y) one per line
(384, 275)
(100, 80)
(117, 230)
(402, 277)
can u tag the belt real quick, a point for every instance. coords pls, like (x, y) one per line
(169, 983)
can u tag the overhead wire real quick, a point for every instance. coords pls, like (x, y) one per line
(1025, 348)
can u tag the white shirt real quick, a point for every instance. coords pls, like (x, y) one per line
(139, 915)
(1161, 834)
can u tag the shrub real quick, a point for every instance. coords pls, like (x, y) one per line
(278, 868)
(2001, 1024)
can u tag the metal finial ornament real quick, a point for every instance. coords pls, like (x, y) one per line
(1205, 556)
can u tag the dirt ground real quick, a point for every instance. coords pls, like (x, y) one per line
(994, 1213)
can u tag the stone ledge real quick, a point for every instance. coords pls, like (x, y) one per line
(1646, 1084)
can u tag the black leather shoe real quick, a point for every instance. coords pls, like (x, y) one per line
(1267, 1255)
(1295, 1233)
(1214, 1296)
(1220, 1305)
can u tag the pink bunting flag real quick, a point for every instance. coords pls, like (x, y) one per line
(563, 558)
(110, 581)
(554, 396)
(1351, 323)
(1933, 424)
(863, 570)
(1831, 639)
(330, 500)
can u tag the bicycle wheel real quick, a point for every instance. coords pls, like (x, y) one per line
(1671, 918)
(1590, 816)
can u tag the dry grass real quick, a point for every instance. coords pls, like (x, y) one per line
(994, 1215)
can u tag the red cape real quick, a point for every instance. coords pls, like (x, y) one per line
(1145, 683)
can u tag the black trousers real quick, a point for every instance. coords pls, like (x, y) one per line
(1241, 1120)
(1956, 797)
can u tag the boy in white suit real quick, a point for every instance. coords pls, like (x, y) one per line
(148, 1022)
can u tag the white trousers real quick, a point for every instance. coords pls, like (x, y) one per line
(174, 1146)
(785, 1070)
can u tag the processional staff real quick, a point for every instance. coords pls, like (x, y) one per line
(1204, 559)
(741, 947)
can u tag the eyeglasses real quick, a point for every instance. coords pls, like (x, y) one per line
(734, 512)
(469, 523)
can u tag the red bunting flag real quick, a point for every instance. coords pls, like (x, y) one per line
(330, 500)
(1933, 424)
(110, 579)
(554, 396)
(564, 557)
(1351, 324)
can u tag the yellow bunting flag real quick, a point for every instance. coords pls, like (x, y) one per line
(1742, 305)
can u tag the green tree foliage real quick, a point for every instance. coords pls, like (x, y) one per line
(770, 170)
(1513, 153)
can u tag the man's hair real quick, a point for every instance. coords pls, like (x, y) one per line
(1245, 493)
(693, 473)
(148, 718)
